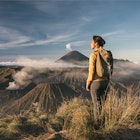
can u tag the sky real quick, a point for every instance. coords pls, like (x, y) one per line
(41, 29)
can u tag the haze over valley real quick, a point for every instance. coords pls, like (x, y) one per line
(38, 82)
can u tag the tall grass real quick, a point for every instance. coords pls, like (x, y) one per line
(119, 118)
(117, 113)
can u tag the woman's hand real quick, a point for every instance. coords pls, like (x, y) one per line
(88, 87)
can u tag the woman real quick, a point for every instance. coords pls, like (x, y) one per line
(95, 84)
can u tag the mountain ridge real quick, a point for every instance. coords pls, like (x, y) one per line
(48, 95)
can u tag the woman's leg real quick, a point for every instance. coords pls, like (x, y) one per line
(98, 93)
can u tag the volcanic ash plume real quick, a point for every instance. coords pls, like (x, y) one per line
(22, 77)
(68, 47)
(13, 86)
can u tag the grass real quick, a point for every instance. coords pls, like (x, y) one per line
(118, 119)
(29, 122)
(116, 114)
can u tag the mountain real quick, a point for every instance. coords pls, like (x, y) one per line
(48, 95)
(73, 57)
(76, 57)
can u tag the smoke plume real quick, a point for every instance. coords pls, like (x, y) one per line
(23, 77)
(68, 47)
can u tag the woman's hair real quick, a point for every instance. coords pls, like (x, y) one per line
(99, 40)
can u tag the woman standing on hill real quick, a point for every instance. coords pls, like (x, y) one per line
(95, 84)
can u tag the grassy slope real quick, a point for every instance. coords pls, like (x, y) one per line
(118, 119)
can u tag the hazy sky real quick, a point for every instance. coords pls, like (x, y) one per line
(49, 28)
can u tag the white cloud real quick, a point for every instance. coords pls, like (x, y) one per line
(12, 38)
(36, 63)
(15, 43)
(80, 43)
(88, 19)
(113, 33)
(52, 39)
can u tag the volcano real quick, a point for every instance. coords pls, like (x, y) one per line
(49, 96)
(73, 57)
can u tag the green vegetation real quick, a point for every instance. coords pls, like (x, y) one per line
(118, 119)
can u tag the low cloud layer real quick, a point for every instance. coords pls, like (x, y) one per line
(31, 69)
(36, 63)
(34, 67)
(126, 71)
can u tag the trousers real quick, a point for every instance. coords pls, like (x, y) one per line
(98, 94)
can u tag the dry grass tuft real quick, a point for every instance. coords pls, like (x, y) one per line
(117, 113)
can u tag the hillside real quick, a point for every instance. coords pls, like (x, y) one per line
(49, 96)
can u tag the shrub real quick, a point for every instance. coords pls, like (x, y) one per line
(65, 112)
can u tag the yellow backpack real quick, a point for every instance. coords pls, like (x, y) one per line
(104, 63)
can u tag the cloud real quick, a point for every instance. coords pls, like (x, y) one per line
(68, 47)
(11, 38)
(76, 44)
(31, 69)
(15, 43)
(8, 63)
(53, 19)
(38, 63)
(113, 33)
(80, 43)
(87, 19)
(124, 71)
(52, 39)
